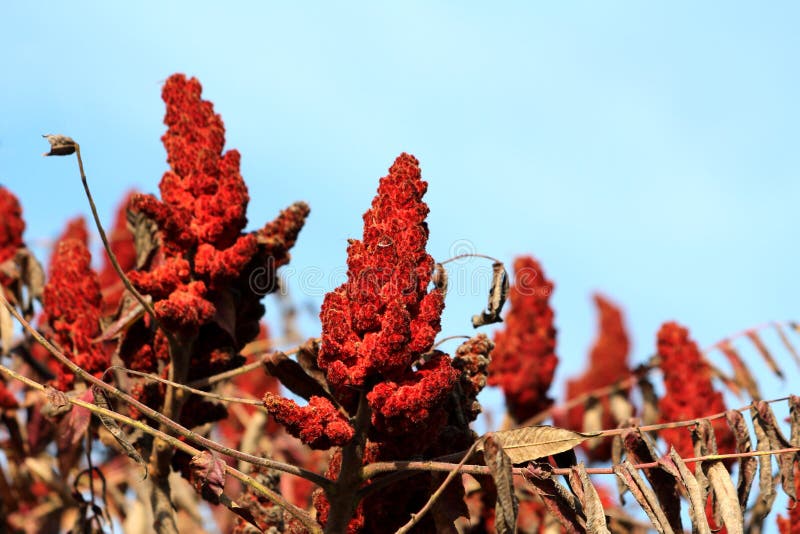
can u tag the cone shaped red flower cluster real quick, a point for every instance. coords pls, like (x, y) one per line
(608, 363)
(11, 228)
(524, 359)
(689, 392)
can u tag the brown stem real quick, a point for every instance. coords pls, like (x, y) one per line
(343, 494)
(157, 416)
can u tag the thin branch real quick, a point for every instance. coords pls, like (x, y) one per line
(246, 368)
(160, 418)
(176, 385)
(276, 498)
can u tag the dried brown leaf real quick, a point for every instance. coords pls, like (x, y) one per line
(650, 412)
(207, 471)
(130, 313)
(6, 330)
(703, 438)
(664, 484)
(145, 240)
(111, 425)
(592, 420)
(726, 502)
(497, 298)
(697, 510)
(747, 464)
(307, 358)
(507, 506)
(60, 145)
(291, 374)
(778, 441)
(741, 373)
(787, 343)
(766, 483)
(439, 277)
(762, 349)
(616, 458)
(31, 275)
(533, 442)
(57, 403)
(644, 495)
(557, 499)
(590, 500)
(620, 406)
(794, 415)
(450, 507)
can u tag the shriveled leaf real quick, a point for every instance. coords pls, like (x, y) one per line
(242, 511)
(439, 277)
(650, 412)
(307, 358)
(291, 374)
(497, 298)
(726, 501)
(778, 441)
(766, 484)
(72, 427)
(533, 442)
(617, 449)
(697, 511)
(664, 484)
(31, 275)
(747, 464)
(621, 407)
(741, 373)
(592, 506)
(60, 145)
(507, 506)
(592, 420)
(6, 330)
(703, 438)
(130, 313)
(762, 349)
(794, 415)
(557, 499)
(644, 496)
(57, 403)
(207, 472)
(114, 429)
(787, 343)
(145, 239)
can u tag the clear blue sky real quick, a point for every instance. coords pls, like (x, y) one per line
(645, 150)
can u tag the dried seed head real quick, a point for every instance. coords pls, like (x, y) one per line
(60, 145)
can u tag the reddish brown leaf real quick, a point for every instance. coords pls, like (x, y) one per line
(72, 427)
(644, 496)
(292, 375)
(762, 349)
(664, 484)
(101, 401)
(748, 464)
(208, 475)
(506, 506)
(307, 358)
(57, 403)
(794, 414)
(558, 500)
(766, 484)
(590, 500)
(697, 503)
(787, 343)
(450, 506)
(616, 458)
(741, 373)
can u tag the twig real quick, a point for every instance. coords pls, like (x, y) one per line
(176, 385)
(158, 417)
(246, 368)
(276, 498)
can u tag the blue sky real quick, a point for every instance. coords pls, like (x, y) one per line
(645, 150)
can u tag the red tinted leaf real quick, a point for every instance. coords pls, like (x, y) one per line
(208, 475)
